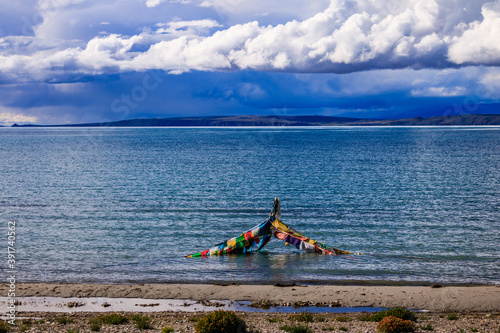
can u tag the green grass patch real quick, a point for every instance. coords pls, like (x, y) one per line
(167, 329)
(110, 319)
(396, 312)
(344, 329)
(303, 317)
(365, 317)
(64, 320)
(24, 328)
(194, 319)
(27, 322)
(26, 325)
(95, 324)
(275, 320)
(320, 319)
(452, 316)
(343, 319)
(296, 329)
(427, 327)
(113, 319)
(142, 322)
(221, 321)
(329, 328)
(4, 327)
(473, 329)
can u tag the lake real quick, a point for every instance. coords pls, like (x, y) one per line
(125, 205)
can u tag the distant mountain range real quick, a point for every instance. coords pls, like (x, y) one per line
(469, 119)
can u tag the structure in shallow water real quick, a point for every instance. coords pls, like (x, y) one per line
(256, 238)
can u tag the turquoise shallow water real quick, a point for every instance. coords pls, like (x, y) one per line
(126, 204)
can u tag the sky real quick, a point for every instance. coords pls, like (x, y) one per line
(79, 61)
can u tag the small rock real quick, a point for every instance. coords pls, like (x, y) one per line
(437, 286)
(75, 304)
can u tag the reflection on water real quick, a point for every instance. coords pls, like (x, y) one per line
(95, 304)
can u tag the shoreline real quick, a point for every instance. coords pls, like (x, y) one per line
(338, 283)
(440, 299)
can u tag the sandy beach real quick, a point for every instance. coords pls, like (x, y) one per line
(445, 298)
(448, 308)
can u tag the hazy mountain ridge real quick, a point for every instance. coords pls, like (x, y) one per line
(275, 120)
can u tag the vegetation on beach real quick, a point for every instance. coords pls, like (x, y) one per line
(4, 327)
(221, 321)
(365, 317)
(304, 317)
(343, 319)
(296, 329)
(396, 312)
(320, 318)
(254, 322)
(26, 324)
(394, 320)
(452, 316)
(95, 324)
(142, 322)
(167, 329)
(64, 320)
(110, 319)
(275, 320)
(391, 324)
(427, 327)
(113, 319)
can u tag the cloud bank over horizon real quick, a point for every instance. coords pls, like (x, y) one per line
(52, 43)
(347, 36)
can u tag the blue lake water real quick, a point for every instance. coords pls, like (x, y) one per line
(121, 205)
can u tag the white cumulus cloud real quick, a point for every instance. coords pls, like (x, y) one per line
(153, 3)
(480, 43)
(346, 36)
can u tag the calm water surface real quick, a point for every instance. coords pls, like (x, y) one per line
(126, 204)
